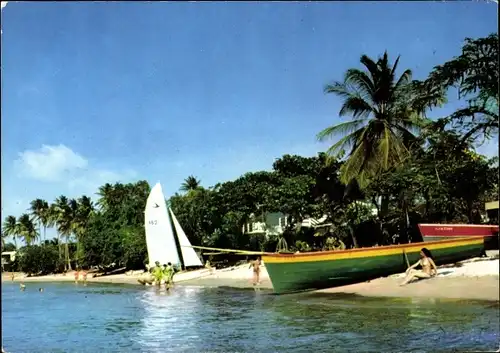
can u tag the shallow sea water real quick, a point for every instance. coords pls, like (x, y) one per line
(120, 318)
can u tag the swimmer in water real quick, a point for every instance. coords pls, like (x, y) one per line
(40, 289)
(22, 286)
(428, 270)
(256, 271)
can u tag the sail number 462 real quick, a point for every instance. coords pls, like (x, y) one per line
(153, 222)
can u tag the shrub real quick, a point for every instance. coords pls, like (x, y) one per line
(39, 259)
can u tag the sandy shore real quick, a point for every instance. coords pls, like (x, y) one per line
(472, 279)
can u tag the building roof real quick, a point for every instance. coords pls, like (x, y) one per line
(5, 253)
(493, 205)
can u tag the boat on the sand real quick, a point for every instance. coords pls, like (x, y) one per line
(433, 232)
(325, 269)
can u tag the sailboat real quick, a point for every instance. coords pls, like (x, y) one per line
(165, 239)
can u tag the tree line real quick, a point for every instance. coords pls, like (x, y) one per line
(388, 156)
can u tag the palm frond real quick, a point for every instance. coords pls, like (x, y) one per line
(370, 65)
(357, 107)
(361, 81)
(347, 127)
(404, 80)
(345, 143)
(339, 88)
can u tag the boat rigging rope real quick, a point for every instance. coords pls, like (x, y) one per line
(238, 252)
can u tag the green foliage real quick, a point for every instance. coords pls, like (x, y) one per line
(114, 236)
(39, 259)
(8, 247)
(190, 184)
(475, 73)
(134, 247)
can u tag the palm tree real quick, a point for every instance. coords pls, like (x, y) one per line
(387, 113)
(65, 215)
(27, 229)
(57, 211)
(84, 211)
(105, 193)
(190, 183)
(10, 228)
(40, 212)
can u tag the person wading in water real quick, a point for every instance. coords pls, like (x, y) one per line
(256, 271)
(157, 273)
(168, 275)
(429, 268)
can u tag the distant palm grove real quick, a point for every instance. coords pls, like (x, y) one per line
(388, 156)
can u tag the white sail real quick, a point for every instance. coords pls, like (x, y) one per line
(189, 256)
(160, 239)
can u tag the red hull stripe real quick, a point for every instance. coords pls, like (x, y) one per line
(457, 230)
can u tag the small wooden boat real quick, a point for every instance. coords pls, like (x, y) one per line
(326, 269)
(433, 232)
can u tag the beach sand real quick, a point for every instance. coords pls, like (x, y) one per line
(472, 279)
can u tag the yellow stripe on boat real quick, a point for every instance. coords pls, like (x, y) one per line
(369, 252)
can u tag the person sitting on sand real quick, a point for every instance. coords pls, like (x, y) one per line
(256, 271)
(429, 268)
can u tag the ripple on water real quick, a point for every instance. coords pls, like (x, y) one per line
(111, 318)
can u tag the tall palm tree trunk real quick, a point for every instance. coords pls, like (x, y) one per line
(66, 249)
(59, 248)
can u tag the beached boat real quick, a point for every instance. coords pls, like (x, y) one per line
(433, 232)
(325, 269)
(165, 239)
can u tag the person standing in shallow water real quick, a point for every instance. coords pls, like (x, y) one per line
(77, 276)
(256, 271)
(157, 273)
(429, 268)
(168, 275)
(84, 276)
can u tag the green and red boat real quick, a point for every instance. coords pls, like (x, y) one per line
(325, 269)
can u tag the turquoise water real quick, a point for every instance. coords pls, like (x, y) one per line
(116, 318)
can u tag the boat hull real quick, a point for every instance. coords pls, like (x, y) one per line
(434, 232)
(310, 271)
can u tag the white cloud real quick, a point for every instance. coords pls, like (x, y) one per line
(53, 171)
(50, 163)
(89, 182)
(3, 4)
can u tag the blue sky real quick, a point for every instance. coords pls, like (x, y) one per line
(107, 91)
